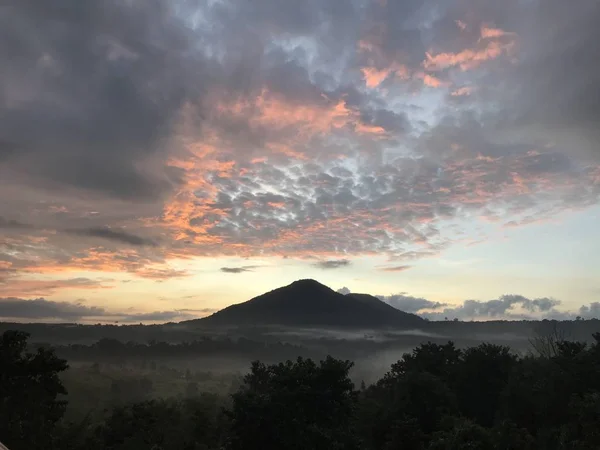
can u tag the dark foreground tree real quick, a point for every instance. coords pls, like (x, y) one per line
(29, 390)
(295, 406)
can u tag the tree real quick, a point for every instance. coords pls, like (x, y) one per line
(295, 405)
(547, 338)
(462, 435)
(403, 410)
(29, 391)
(435, 359)
(191, 389)
(483, 374)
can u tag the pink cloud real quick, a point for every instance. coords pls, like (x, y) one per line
(462, 91)
(490, 32)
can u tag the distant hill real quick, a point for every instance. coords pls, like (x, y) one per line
(309, 303)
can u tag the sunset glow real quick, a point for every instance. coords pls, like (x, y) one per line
(159, 164)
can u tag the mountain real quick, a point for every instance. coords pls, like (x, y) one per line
(309, 303)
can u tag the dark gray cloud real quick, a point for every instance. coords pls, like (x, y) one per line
(333, 264)
(238, 269)
(401, 268)
(41, 308)
(11, 224)
(544, 94)
(114, 235)
(12, 285)
(162, 316)
(556, 82)
(103, 83)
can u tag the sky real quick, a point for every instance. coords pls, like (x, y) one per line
(160, 160)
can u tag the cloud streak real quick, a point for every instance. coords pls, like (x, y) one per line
(120, 236)
(41, 308)
(401, 268)
(238, 269)
(13, 308)
(333, 264)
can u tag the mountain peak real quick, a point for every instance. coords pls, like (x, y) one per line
(307, 283)
(309, 303)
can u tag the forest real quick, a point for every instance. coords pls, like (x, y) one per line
(436, 397)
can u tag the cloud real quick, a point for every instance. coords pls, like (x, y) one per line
(275, 128)
(404, 302)
(114, 235)
(160, 274)
(548, 93)
(81, 139)
(506, 306)
(410, 304)
(333, 264)
(19, 287)
(590, 312)
(395, 268)
(41, 308)
(238, 269)
(164, 316)
(10, 224)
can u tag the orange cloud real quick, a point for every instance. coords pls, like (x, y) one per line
(273, 112)
(287, 150)
(460, 24)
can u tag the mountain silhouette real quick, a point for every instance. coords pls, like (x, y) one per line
(309, 303)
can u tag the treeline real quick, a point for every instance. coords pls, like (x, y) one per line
(437, 397)
(107, 349)
(110, 350)
(70, 333)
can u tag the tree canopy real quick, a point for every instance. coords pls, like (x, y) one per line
(437, 397)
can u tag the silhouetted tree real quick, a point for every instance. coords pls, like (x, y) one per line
(483, 374)
(29, 391)
(295, 405)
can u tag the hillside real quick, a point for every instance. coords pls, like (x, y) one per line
(311, 304)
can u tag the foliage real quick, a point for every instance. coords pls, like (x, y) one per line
(437, 397)
(29, 393)
(294, 405)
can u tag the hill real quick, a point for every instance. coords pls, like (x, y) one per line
(308, 303)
